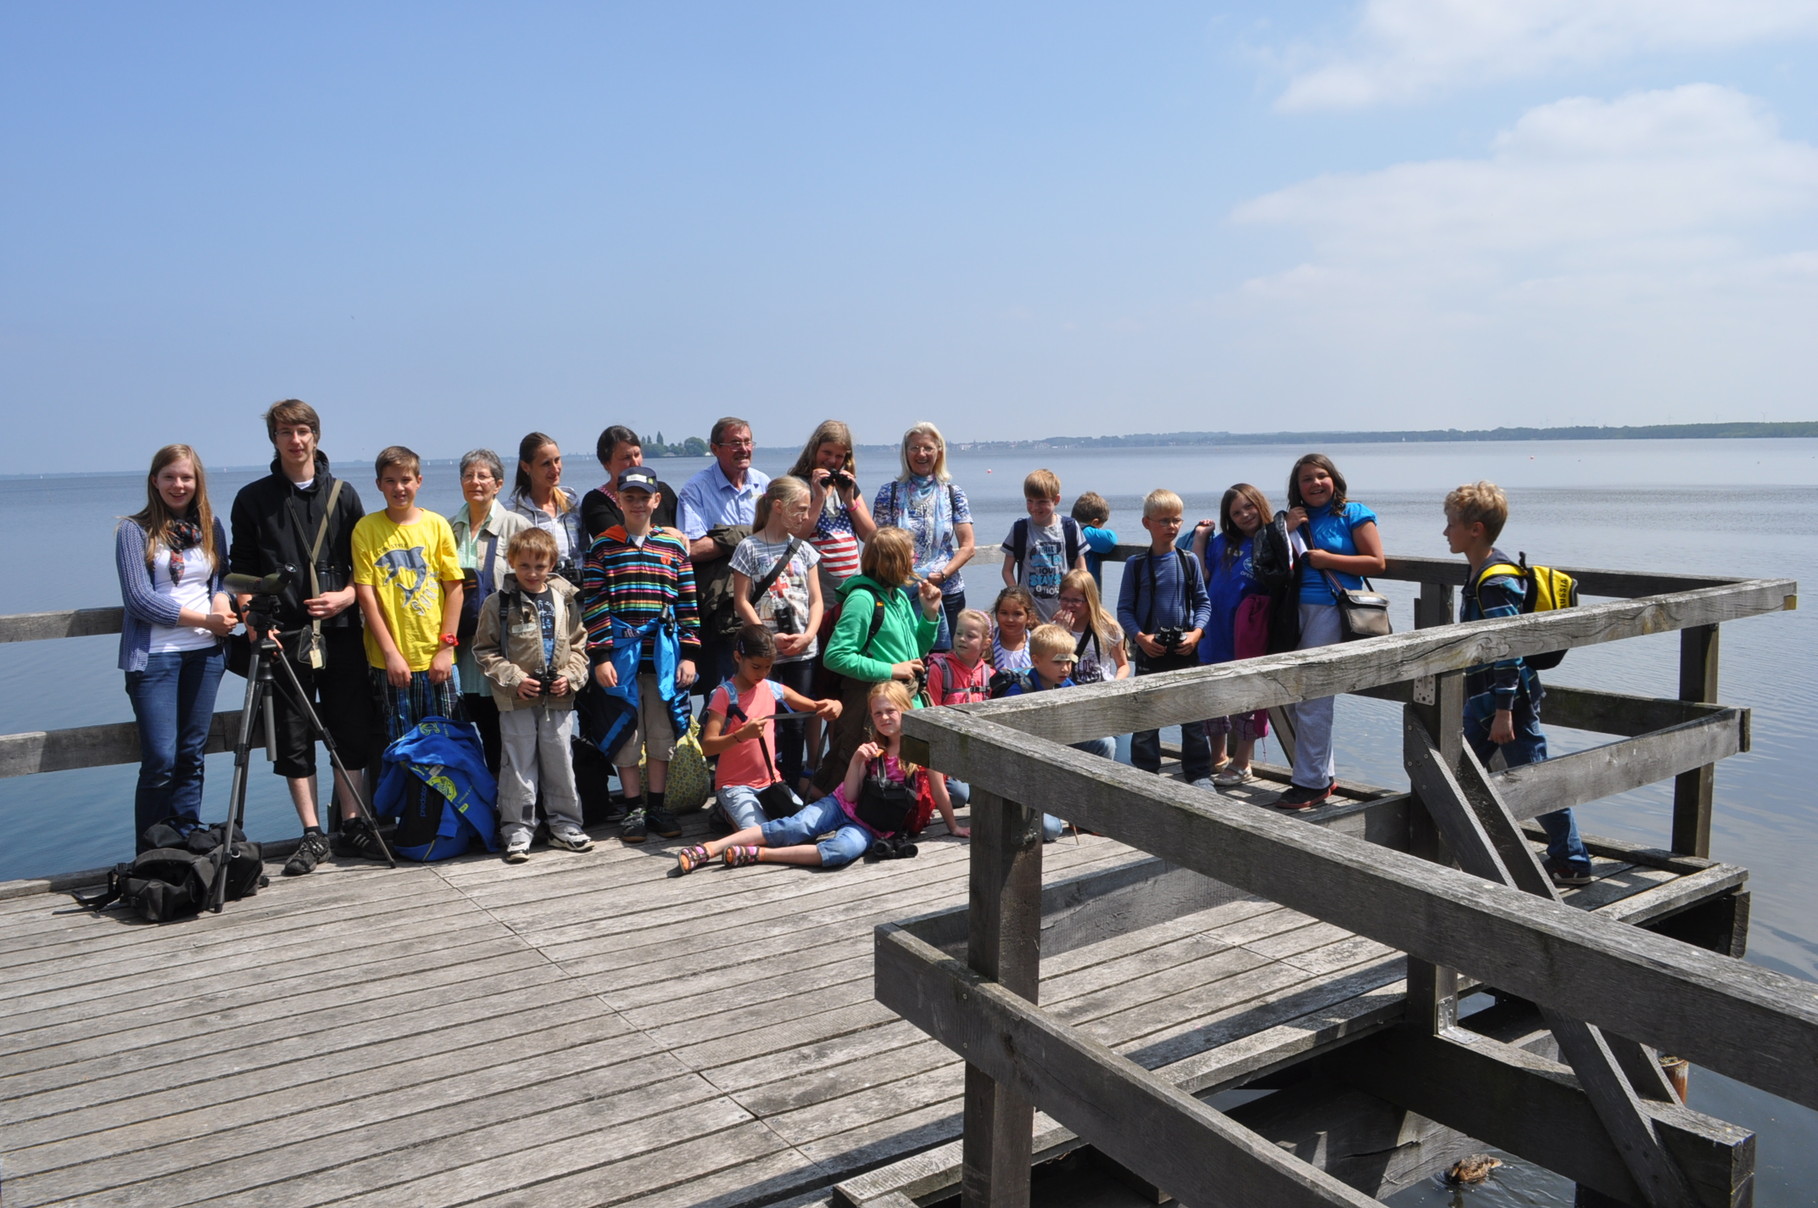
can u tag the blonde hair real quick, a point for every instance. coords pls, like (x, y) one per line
(898, 692)
(1042, 484)
(782, 489)
(977, 616)
(926, 428)
(889, 557)
(1103, 625)
(1159, 499)
(156, 518)
(1480, 502)
(1049, 640)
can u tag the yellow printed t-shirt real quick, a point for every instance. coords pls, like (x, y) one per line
(406, 565)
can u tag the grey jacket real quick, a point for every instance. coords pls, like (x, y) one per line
(508, 643)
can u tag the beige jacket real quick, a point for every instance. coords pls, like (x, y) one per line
(512, 652)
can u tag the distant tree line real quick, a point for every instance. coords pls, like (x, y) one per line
(656, 446)
(1585, 432)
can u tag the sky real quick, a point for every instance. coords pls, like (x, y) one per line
(448, 224)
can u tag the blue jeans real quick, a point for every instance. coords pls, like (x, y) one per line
(740, 805)
(847, 843)
(1530, 746)
(174, 705)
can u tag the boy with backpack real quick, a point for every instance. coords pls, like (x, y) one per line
(1502, 699)
(532, 649)
(1163, 604)
(1044, 546)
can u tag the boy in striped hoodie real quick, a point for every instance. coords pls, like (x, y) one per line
(637, 576)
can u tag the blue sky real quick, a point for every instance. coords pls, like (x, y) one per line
(447, 224)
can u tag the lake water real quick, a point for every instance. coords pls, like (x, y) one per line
(1735, 508)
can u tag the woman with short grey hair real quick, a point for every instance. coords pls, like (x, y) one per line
(482, 530)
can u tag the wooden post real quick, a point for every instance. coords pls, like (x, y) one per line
(1003, 945)
(1692, 790)
(1433, 989)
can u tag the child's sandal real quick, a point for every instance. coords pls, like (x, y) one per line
(739, 856)
(691, 858)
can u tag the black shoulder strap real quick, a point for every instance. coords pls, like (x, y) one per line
(763, 585)
(733, 710)
(1075, 539)
(1019, 544)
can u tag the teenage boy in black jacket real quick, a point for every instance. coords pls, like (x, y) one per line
(275, 523)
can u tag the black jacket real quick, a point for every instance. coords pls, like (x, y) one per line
(274, 524)
(599, 512)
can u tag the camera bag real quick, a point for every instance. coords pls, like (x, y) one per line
(173, 881)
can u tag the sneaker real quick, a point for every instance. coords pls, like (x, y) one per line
(616, 810)
(1299, 798)
(1567, 875)
(634, 829)
(357, 838)
(571, 841)
(517, 848)
(1204, 782)
(1233, 776)
(662, 823)
(309, 853)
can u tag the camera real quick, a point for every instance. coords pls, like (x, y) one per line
(839, 480)
(784, 617)
(1168, 637)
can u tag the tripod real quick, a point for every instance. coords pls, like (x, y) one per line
(266, 654)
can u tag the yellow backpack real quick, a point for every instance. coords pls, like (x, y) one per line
(1546, 589)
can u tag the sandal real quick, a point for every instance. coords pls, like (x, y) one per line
(740, 855)
(691, 858)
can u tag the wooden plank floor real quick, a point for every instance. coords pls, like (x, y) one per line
(580, 1030)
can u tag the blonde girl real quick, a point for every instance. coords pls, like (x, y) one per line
(778, 557)
(1098, 638)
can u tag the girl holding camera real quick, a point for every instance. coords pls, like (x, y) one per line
(842, 522)
(170, 556)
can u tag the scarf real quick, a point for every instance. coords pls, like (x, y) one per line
(181, 535)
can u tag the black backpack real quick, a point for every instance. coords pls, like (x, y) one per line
(174, 878)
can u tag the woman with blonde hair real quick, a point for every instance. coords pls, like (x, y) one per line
(925, 501)
(170, 556)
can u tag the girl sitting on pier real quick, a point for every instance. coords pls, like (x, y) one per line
(883, 796)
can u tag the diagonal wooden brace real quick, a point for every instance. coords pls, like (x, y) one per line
(1487, 841)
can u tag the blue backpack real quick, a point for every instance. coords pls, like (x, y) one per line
(436, 784)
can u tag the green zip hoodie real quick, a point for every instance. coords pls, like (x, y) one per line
(905, 634)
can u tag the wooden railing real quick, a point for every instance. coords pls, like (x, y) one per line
(1372, 871)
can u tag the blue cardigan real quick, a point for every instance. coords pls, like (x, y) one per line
(144, 606)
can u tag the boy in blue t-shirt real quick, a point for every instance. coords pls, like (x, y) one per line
(1164, 606)
(1502, 699)
(1092, 510)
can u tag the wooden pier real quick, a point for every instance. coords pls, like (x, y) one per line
(587, 1029)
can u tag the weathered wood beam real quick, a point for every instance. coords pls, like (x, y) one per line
(1452, 786)
(1616, 767)
(1617, 712)
(1532, 1106)
(1004, 947)
(99, 746)
(69, 623)
(1692, 791)
(1439, 702)
(1129, 1114)
(1278, 679)
(1748, 1022)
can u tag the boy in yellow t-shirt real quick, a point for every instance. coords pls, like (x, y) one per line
(407, 578)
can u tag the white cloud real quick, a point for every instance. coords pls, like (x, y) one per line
(1402, 50)
(1659, 245)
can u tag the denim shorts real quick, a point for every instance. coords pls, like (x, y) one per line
(739, 803)
(847, 842)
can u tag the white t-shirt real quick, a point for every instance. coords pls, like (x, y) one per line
(190, 592)
(787, 596)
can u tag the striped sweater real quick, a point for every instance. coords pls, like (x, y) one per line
(634, 584)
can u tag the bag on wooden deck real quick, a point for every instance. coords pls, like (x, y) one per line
(173, 882)
(1544, 589)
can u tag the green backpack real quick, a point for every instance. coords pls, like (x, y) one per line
(1546, 589)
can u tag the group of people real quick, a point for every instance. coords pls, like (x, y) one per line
(808, 618)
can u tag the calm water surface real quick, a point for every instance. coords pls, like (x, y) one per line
(1739, 508)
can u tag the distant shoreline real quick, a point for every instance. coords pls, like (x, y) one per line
(1155, 440)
